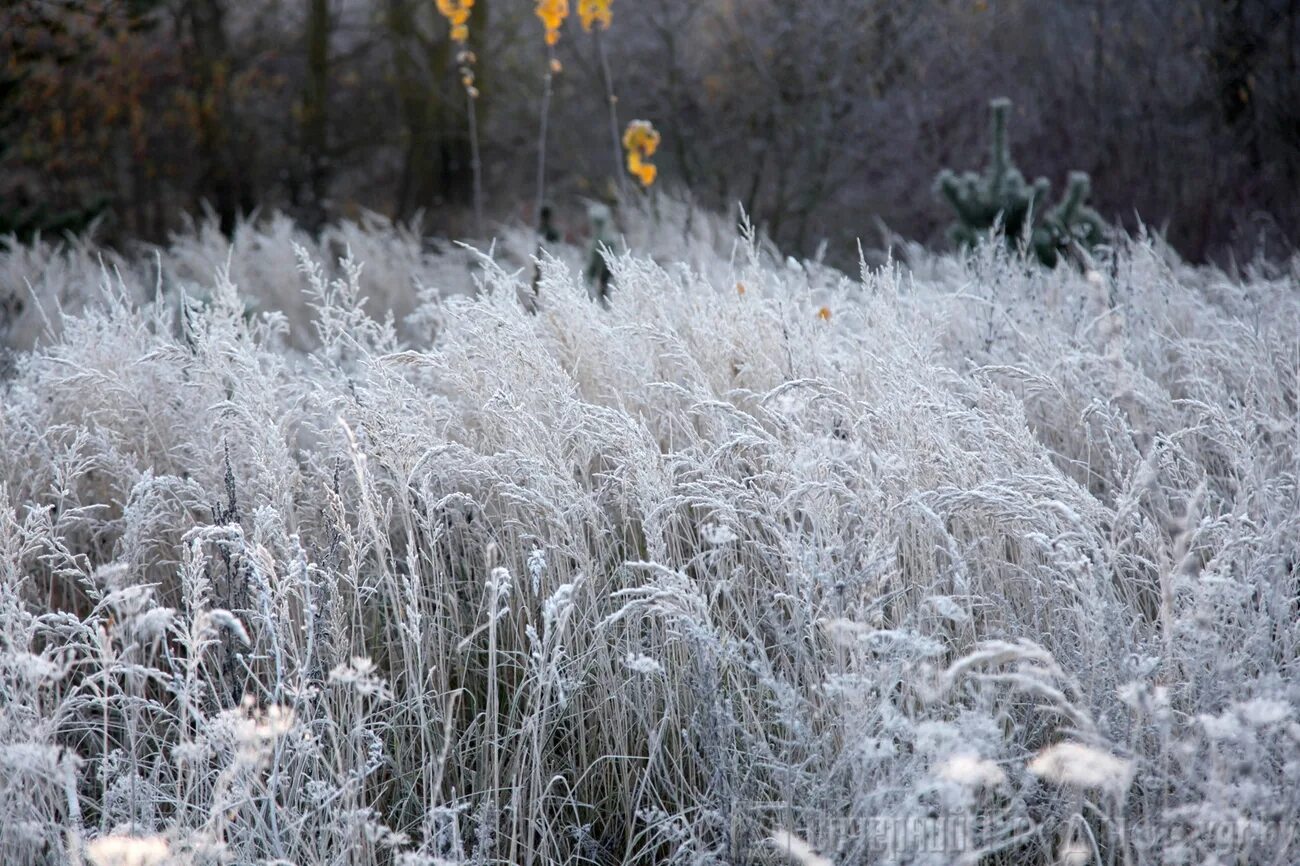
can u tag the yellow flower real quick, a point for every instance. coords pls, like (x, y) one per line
(594, 12)
(642, 137)
(641, 140)
(824, 313)
(552, 14)
(644, 171)
(457, 14)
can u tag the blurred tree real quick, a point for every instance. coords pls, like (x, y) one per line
(222, 182)
(436, 151)
(819, 117)
(315, 109)
(73, 117)
(1233, 58)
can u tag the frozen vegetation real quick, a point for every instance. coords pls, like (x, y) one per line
(762, 561)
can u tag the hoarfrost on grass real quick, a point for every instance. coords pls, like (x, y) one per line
(283, 580)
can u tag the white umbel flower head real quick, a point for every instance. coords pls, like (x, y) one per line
(972, 771)
(360, 674)
(643, 664)
(1079, 766)
(1264, 712)
(797, 849)
(127, 851)
(716, 535)
(1074, 853)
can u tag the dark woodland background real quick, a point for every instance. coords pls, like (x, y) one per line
(824, 119)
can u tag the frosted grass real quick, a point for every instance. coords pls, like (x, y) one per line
(705, 577)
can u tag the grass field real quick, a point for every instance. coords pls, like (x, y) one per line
(763, 556)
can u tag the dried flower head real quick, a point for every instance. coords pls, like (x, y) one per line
(641, 140)
(552, 14)
(595, 12)
(824, 313)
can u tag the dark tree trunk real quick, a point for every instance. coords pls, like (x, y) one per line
(222, 182)
(315, 114)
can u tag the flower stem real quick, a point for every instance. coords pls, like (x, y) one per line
(615, 138)
(541, 142)
(475, 162)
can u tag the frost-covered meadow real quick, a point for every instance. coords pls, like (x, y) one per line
(762, 556)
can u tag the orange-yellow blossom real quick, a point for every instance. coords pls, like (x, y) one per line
(457, 14)
(592, 12)
(641, 136)
(641, 140)
(644, 171)
(552, 13)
